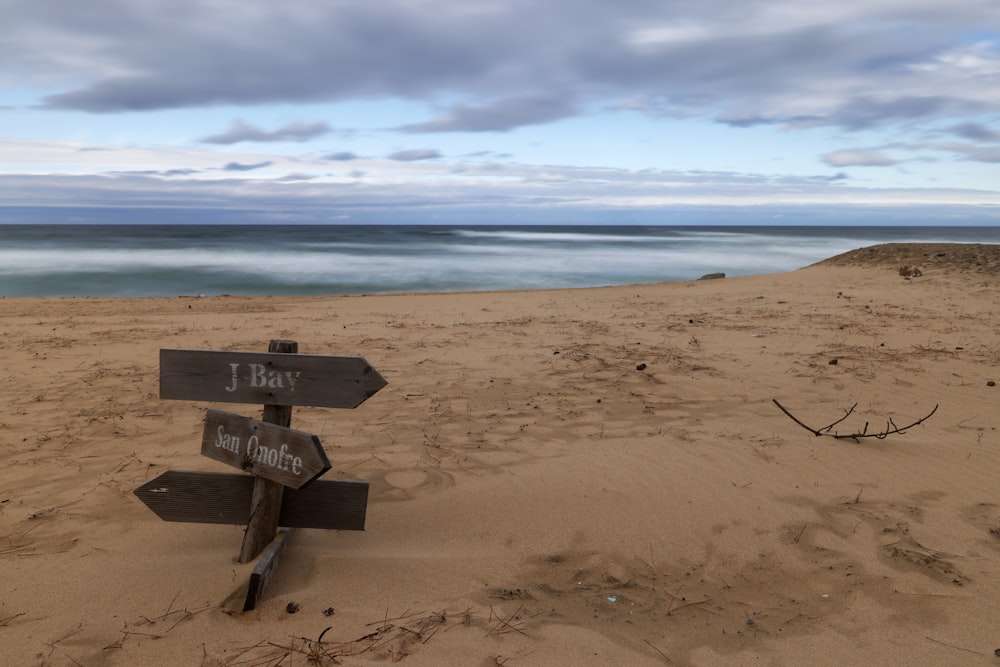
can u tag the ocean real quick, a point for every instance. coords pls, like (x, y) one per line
(175, 260)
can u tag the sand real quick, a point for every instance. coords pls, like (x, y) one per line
(566, 477)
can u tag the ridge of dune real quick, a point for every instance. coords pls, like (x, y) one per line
(949, 257)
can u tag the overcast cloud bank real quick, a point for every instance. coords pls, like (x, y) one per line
(569, 104)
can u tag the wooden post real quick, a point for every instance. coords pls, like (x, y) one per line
(265, 505)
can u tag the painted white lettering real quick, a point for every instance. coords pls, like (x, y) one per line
(258, 375)
(235, 379)
(265, 456)
(227, 441)
(274, 380)
(252, 443)
(279, 458)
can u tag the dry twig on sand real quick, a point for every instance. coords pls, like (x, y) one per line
(6, 621)
(390, 640)
(890, 427)
(177, 616)
(505, 625)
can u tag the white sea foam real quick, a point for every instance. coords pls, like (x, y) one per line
(139, 261)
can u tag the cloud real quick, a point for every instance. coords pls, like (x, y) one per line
(839, 176)
(499, 116)
(306, 189)
(987, 155)
(972, 153)
(240, 131)
(863, 113)
(975, 132)
(342, 156)
(858, 158)
(236, 166)
(414, 155)
(753, 121)
(537, 193)
(853, 65)
(156, 172)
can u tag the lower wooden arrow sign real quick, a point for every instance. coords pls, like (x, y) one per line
(212, 497)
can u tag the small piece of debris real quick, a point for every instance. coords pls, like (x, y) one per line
(712, 276)
(292, 607)
(511, 594)
(640, 367)
(991, 383)
(328, 611)
(832, 362)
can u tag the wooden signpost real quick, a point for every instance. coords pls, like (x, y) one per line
(284, 464)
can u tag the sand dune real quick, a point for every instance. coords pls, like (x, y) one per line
(578, 477)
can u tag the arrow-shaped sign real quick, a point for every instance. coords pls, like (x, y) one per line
(291, 458)
(213, 497)
(267, 378)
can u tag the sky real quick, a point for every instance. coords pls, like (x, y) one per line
(500, 111)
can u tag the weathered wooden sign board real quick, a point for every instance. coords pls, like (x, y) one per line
(271, 379)
(222, 497)
(291, 458)
(284, 464)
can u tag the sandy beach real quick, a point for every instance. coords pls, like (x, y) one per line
(567, 477)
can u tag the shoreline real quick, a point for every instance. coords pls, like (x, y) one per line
(944, 257)
(400, 260)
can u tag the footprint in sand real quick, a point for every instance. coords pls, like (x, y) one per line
(407, 484)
